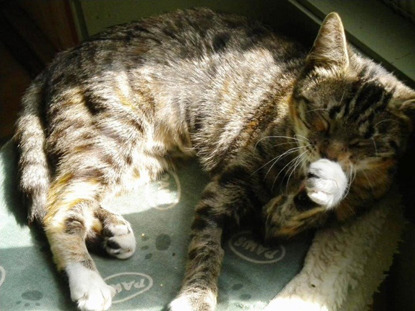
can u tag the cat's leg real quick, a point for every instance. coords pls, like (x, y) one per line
(222, 200)
(69, 219)
(75, 217)
(199, 288)
(205, 254)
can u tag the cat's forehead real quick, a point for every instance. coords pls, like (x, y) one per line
(354, 106)
(330, 85)
(356, 91)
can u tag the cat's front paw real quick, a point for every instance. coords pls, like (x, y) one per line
(88, 289)
(195, 301)
(326, 183)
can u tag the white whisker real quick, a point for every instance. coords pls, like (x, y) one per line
(299, 160)
(374, 144)
(351, 176)
(285, 166)
(269, 137)
(304, 139)
(316, 109)
(288, 152)
(277, 158)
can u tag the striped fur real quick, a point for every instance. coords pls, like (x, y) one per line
(255, 108)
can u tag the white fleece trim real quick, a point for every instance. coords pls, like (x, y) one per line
(344, 266)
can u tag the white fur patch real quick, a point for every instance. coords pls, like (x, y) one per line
(327, 183)
(196, 301)
(123, 235)
(88, 289)
(181, 303)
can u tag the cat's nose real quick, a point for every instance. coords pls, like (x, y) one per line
(324, 154)
(332, 151)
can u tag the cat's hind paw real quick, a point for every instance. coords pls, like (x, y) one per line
(88, 289)
(326, 183)
(119, 239)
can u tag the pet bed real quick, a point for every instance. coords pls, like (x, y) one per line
(335, 269)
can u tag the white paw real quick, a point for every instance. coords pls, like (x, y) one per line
(88, 289)
(181, 303)
(120, 240)
(196, 301)
(326, 183)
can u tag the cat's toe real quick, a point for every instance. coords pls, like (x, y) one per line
(88, 289)
(119, 240)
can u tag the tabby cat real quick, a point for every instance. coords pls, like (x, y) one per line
(292, 140)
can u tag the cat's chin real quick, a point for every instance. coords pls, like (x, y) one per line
(326, 183)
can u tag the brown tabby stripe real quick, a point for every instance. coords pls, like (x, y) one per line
(253, 106)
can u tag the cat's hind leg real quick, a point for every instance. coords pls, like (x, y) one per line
(75, 218)
(69, 220)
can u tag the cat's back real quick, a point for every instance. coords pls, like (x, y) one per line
(193, 33)
(196, 68)
(182, 35)
(192, 80)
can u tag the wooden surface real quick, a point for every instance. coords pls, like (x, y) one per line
(31, 33)
(13, 81)
(54, 18)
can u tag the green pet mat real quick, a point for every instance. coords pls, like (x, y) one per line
(160, 214)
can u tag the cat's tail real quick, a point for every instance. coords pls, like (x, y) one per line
(33, 164)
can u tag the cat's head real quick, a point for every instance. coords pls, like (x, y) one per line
(348, 109)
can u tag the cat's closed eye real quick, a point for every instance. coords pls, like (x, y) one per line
(320, 124)
(357, 143)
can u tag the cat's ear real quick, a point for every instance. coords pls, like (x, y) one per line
(404, 105)
(408, 109)
(330, 47)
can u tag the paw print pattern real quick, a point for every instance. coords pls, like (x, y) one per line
(242, 296)
(30, 298)
(162, 243)
(2, 275)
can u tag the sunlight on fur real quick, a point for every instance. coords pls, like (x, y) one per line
(163, 193)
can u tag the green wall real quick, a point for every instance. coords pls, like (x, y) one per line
(279, 14)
